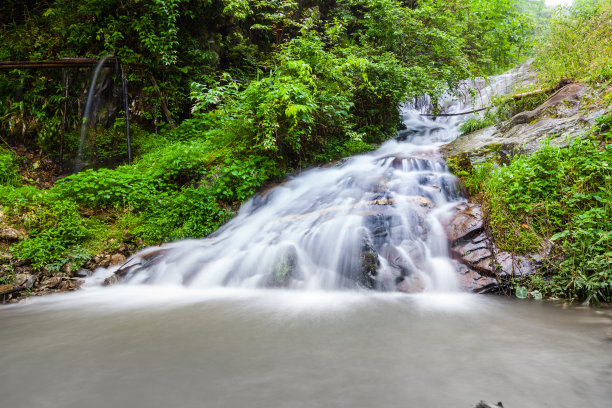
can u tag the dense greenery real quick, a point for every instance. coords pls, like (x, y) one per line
(559, 196)
(577, 43)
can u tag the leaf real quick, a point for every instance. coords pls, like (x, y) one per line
(559, 235)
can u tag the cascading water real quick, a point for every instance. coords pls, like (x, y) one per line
(371, 222)
(88, 112)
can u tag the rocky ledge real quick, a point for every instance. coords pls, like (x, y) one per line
(484, 268)
(567, 113)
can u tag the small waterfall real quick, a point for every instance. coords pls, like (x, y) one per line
(87, 113)
(373, 222)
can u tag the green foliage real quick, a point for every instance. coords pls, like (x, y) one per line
(190, 213)
(561, 195)
(55, 226)
(476, 123)
(577, 43)
(8, 168)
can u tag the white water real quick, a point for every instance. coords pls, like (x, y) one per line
(371, 222)
(89, 111)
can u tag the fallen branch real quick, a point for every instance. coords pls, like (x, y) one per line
(8, 289)
(532, 93)
(455, 114)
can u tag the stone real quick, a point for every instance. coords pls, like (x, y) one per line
(105, 261)
(484, 404)
(82, 273)
(466, 223)
(25, 280)
(9, 234)
(51, 283)
(67, 268)
(117, 259)
(111, 280)
(567, 113)
(472, 281)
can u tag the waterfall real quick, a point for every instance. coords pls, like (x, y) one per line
(372, 222)
(88, 112)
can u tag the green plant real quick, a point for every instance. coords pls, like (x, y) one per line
(576, 44)
(8, 168)
(561, 195)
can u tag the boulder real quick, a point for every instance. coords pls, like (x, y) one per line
(480, 264)
(9, 234)
(25, 280)
(117, 259)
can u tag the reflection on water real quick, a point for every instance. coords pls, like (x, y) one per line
(166, 346)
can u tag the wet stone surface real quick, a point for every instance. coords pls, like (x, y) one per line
(481, 265)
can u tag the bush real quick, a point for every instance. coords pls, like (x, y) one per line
(191, 213)
(55, 227)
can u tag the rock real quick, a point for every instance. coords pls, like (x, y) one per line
(25, 280)
(9, 234)
(117, 259)
(67, 268)
(481, 265)
(484, 404)
(111, 280)
(105, 261)
(471, 280)
(51, 283)
(82, 273)
(466, 223)
(567, 113)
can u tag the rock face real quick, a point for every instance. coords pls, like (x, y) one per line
(482, 266)
(567, 113)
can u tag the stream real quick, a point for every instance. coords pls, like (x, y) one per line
(334, 289)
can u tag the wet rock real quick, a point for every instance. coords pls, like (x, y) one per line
(111, 280)
(284, 270)
(141, 260)
(471, 280)
(484, 404)
(480, 263)
(466, 223)
(82, 273)
(410, 284)
(369, 264)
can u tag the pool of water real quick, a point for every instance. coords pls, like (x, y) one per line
(132, 346)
